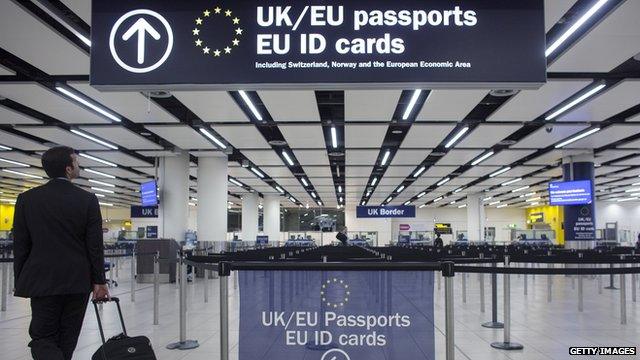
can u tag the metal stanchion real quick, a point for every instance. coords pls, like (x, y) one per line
(599, 281)
(464, 288)
(3, 305)
(439, 277)
(177, 270)
(117, 266)
(507, 344)
(549, 283)
(526, 277)
(183, 344)
(133, 276)
(580, 288)
(156, 288)
(494, 324)
(623, 300)
(611, 284)
(633, 287)
(448, 273)
(206, 285)
(481, 278)
(224, 272)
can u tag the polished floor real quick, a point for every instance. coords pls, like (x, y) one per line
(546, 330)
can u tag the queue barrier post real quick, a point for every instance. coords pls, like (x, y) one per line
(507, 344)
(206, 285)
(580, 288)
(224, 271)
(623, 300)
(481, 278)
(549, 283)
(183, 343)
(611, 284)
(448, 273)
(3, 301)
(464, 288)
(156, 288)
(494, 324)
(133, 276)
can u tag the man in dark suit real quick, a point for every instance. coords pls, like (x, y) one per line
(58, 253)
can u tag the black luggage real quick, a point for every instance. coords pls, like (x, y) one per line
(122, 346)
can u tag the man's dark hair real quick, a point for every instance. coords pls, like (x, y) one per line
(56, 160)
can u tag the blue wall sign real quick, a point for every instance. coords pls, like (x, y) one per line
(149, 193)
(250, 44)
(570, 192)
(580, 220)
(336, 315)
(262, 239)
(152, 232)
(144, 211)
(386, 211)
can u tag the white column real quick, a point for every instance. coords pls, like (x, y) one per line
(249, 217)
(212, 198)
(173, 182)
(475, 218)
(271, 214)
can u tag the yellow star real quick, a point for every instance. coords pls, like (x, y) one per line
(196, 31)
(227, 13)
(198, 42)
(207, 13)
(216, 52)
(205, 50)
(236, 42)
(239, 31)
(217, 10)
(199, 21)
(227, 50)
(236, 21)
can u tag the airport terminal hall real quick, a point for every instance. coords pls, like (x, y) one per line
(319, 180)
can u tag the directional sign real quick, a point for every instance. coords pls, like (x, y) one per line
(386, 211)
(141, 27)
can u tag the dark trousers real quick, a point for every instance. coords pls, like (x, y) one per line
(55, 325)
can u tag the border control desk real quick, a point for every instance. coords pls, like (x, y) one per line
(168, 248)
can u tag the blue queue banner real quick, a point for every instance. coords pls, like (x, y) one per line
(352, 315)
(386, 211)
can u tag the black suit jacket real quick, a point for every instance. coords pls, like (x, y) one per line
(58, 246)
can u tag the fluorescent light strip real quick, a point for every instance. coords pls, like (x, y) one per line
(412, 104)
(209, 135)
(2, 147)
(520, 189)
(534, 203)
(101, 183)
(389, 199)
(437, 199)
(340, 200)
(632, 190)
(634, 184)
(22, 174)
(249, 103)
(98, 160)
(88, 104)
(453, 202)
(482, 158)
(421, 194)
(501, 171)
(99, 173)
(319, 203)
(495, 203)
(334, 138)
(339, 188)
(100, 195)
(627, 199)
(533, 199)
(280, 189)
(407, 202)
(374, 181)
(192, 204)
(578, 137)
(530, 194)
(102, 190)
(385, 158)
(443, 181)
(94, 139)
(106, 204)
(287, 157)
(368, 193)
(423, 205)
(511, 182)
(257, 172)
(313, 195)
(556, 44)
(399, 189)
(236, 182)
(502, 206)
(14, 162)
(462, 206)
(292, 200)
(576, 101)
(420, 171)
(487, 198)
(304, 181)
(362, 203)
(457, 137)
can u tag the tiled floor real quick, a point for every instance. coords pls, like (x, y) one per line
(546, 330)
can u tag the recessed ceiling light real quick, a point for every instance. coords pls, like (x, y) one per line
(583, 19)
(412, 104)
(88, 103)
(457, 137)
(250, 104)
(503, 92)
(277, 142)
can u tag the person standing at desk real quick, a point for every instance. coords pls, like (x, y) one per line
(342, 236)
(58, 255)
(438, 241)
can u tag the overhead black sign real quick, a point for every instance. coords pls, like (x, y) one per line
(245, 44)
(144, 211)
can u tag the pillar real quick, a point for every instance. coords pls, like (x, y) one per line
(579, 220)
(173, 182)
(212, 198)
(475, 218)
(249, 217)
(271, 217)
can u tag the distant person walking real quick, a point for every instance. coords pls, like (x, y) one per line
(342, 236)
(438, 241)
(59, 256)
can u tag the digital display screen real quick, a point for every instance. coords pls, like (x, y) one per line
(149, 193)
(570, 192)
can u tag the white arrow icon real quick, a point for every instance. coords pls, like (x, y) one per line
(141, 27)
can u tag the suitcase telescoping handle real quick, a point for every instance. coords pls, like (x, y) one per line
(95, 306)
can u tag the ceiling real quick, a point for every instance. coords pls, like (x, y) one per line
(377, 158)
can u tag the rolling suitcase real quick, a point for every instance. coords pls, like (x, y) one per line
(121, 346)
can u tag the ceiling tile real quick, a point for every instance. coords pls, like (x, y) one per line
(9, 116)
(242, 136)
(212, 106)
(291, 105)
(487, 135)
(119, 158)
(370, 105)
(122, 136)
(19, 142)
(410, 157)
(303, 136)
(609, 103)
(59, 136)
(606, 136)
(312, 157)
(450, 105)
(426, 136)
(182, 136)
(541, 138)
(459, 157)
(374, 136)
(263, 157)
(507, 157)
(361, 157)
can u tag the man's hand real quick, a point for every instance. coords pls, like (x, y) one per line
(101, 292)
